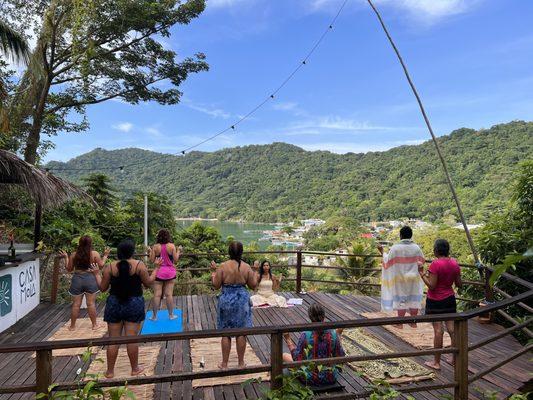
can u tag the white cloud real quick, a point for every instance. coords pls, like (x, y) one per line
(223, 3)
(154, 131)
(342, 148)
(123, 126)
(333, 125)
(434, 9)
(213, 112)
(289, 106)
(426, 11)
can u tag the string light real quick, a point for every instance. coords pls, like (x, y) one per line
(252, 111)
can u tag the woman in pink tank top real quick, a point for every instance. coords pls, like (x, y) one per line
(164, 282)
(442, 275)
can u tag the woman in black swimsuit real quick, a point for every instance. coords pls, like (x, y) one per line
(124, 310)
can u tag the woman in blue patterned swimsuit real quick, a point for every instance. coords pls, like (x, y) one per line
(234, 305)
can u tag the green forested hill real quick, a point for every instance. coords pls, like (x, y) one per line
(283, 182)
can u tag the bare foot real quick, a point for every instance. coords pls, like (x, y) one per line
(413, 325)
(95, 327)
(172, 316)
(72, 328)
(153, 318)
(223, 366)
(109, 374)
(137, 371)
(449, 360)
(400, 326)
(432, 365)
(243, 365)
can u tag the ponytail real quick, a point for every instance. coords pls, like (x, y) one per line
(125, 251)
(123, 279)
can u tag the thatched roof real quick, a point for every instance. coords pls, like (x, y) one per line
(44, 187)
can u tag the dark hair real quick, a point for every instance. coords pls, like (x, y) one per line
(235, 251)
(163, 236)
(441, 248)
(406, 232)
(125, 251)
(82, 256)
(316, 314)
(262, 270)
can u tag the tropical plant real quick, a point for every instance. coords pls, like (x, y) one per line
(361, 269)
(12, 44)
(91, 52)
(98, 186)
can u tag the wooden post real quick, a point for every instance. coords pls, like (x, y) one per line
(461, 359)
(298, 271)
(43, 371)
(37, 224)
(55, 280)
(276, 360)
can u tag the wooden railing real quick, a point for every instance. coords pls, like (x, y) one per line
(461, 346)
(299, 265)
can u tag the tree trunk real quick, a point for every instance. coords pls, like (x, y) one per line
(34, 136)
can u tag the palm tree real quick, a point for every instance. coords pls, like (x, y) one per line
(360, 269)
(98, 186)
(12, 44)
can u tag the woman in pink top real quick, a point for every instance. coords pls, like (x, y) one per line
(164, 282)
(442, 274)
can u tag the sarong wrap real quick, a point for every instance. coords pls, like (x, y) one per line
(401, 285)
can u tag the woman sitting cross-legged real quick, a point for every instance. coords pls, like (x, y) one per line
(266, 287)
(124, 309)
(315, 345)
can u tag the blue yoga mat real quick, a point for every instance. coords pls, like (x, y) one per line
(163, 323)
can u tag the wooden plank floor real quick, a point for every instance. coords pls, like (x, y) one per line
(199, 312)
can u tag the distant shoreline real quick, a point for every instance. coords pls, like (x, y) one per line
(230, 220)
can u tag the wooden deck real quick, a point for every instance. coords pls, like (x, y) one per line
(199, 313)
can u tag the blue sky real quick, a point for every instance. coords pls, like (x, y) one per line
(471, 60)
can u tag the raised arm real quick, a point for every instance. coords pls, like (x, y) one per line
(148, 278)
(100, 261)
(68, 260)
(102, 279)
(216, 275)
(429, 278)
(176, 253)
(252, 278)
(151, 253)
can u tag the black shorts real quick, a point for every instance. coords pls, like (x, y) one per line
(444, 306)
(164, 280)
(129, 310)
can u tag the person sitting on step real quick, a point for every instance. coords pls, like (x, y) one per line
(314, 345)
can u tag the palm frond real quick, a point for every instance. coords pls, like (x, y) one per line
(44, 187)
(13, 44)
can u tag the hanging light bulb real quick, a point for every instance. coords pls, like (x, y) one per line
(183, 152)
(121, 169)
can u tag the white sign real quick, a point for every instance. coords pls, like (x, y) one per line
(19, 292)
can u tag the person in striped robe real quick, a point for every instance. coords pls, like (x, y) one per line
(401, 285)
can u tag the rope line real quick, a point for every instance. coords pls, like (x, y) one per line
(233, 126)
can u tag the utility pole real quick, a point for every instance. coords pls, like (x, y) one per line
(145, 224)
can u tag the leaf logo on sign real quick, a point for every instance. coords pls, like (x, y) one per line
(6, 295)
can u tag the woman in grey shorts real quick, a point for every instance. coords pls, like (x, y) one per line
(83, 280)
